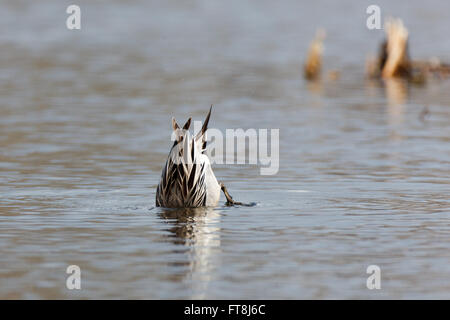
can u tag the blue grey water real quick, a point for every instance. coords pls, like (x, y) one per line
(363, 180)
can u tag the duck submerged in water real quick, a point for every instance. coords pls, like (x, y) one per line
(394, 60)
(313, 64)
(187, 179)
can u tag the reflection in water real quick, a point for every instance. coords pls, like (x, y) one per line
(199, 230)
(396, 94)
(315, 87)
(396, 91)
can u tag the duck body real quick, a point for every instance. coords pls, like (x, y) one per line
(187, 179)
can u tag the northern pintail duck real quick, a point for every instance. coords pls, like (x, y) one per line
(187, 179)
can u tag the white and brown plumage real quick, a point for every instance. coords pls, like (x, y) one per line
(393, 60)
(313, 64)
(187, 179)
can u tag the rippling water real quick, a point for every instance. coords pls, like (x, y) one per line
(85, 131)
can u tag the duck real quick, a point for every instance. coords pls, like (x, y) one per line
(394, 60)
(187, 179)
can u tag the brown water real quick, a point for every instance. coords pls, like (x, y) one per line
(85, 130)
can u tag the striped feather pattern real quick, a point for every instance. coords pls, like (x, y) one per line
(183, 180)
